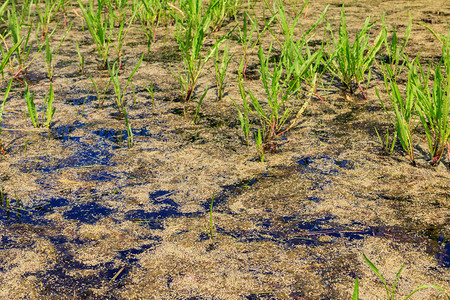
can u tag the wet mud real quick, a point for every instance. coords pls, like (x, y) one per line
(82, 216)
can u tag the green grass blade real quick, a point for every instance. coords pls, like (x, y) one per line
(199, 104)
(356, 290)
(3, 8)
(128, 127)
(2, 107)
(6, 57)
(29, 97)
(134, 70)
(426, 287)
(374, 269)
(50, 108)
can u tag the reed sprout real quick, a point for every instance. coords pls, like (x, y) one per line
(433, 102)
(49, 52)
(351, 62)
(119, 90)
(120, 93)
(19, 59)
(117, 35)
(47, 108)
(244, 114)
(395, 55)
(246, 37)
(6, 55)
(81, 60)
(2, 107)
(3, 8)
(387, 144)
(100, 94)
(404, 107)
(98, 25)
(192, 23)
(46, 11)
(392, 289)
(153, 12)
(211, 224)
(150, 90)
(220, 67)
(29, 98)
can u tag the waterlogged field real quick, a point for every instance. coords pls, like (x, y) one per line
(229, 150)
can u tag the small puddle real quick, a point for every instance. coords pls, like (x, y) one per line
(82, 100)
(13, 211)
(167, 208)
(86, 156)
(323, 165)
(62, 133)
(59, 280)
(88, 213)
(291, 231)
(231, 190)
(120, 137)
(321, 169)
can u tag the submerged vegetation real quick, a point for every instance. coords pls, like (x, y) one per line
(278, 64)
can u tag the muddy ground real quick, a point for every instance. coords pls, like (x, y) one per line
(89, 218)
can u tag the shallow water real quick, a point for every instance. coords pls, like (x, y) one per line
(84, 216)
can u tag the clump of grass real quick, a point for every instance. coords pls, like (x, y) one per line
(98, 25)
(49, 52)
(391, 290)
(46, 11)
(246, 38)
(395, 56)
(223, 10)
(302, 63)
(120, 93)
(433, 101)
(244, 114)
(81, 60)
(351, 62)
(281, 80)
(150, 16)
(404, 107)
(47, 108)
(272, 119)
(220, 67)
(430, 101)
(2, 107)
(19, 59)
(273, 114)
(192, 23)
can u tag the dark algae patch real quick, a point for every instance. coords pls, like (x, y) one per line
(145, 193)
